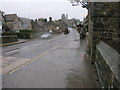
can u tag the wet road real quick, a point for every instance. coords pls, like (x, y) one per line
(56, 63)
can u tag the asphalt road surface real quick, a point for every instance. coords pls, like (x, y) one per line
(59, 62)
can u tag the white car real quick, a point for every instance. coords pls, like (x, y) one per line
(46, 36)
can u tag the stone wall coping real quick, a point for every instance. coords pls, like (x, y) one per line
(110, 56)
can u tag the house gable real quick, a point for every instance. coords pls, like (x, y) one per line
(11, 17)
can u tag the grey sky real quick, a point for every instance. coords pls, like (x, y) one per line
(42, 8)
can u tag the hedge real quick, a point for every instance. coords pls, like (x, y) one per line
(22, 35)
(25, 35)
(9, 33)
(9, 39)
(30, 31)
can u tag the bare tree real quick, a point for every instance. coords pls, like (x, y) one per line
(84, 3)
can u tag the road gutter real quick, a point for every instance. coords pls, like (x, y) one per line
(12, 43)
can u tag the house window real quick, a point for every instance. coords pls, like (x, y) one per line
(15, 23)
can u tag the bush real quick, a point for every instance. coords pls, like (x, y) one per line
(9, 33)
(9, 39)
(30, 31)
(25, 35)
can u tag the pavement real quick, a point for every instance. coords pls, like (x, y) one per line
(61, 63)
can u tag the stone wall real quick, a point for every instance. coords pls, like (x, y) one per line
(103, 18)
(103, 25)
(107, 65)
(10, 25)
(16, 25)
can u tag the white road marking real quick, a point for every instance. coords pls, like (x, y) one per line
(38, 44)
(41, 43)
(34, 59)
(12, 51)
(15, 50)
(21, 48)
(24, 48)
(35, 44)
(50, 40)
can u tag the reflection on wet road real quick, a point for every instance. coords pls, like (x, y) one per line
(60, 63)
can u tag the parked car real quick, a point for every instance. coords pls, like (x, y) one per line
(46, 36)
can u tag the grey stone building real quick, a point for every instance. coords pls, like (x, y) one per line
(64, 17)
(54, 27)
(13, 22)
(61, 24)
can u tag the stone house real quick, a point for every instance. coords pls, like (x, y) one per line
(13, 22)
(42, 24)
(61, 24)
(3, 25)
(53, 26)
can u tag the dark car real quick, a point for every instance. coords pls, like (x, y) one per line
(66, 31)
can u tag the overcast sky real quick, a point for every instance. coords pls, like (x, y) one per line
(42, 8)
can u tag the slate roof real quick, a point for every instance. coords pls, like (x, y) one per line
(10, 17)
(25, 22)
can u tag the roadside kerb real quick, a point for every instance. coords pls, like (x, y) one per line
(7, 44)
